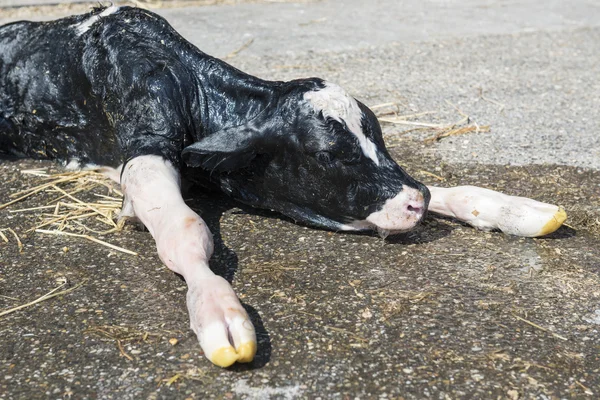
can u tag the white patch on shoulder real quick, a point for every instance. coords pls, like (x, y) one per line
(335, 102)
(84, 26)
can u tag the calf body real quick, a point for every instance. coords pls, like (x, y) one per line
(119, 88)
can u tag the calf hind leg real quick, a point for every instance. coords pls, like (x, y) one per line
(486, 209)
(151, 189)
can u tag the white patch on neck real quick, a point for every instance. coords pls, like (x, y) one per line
(334, 102)
(84, 26)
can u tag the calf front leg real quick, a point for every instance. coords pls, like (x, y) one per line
(151, 187)
(486, 209)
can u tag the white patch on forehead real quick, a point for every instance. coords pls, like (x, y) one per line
(84, 26)
(334, 102)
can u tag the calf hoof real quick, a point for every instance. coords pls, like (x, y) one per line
(554, 223)
(223, 327)
(530, 218)
(487, 210)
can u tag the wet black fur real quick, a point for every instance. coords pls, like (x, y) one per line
(132, 86)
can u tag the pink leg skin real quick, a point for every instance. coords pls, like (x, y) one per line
(486, 209)
(152, 193)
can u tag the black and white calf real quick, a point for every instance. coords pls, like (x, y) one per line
(118, 88)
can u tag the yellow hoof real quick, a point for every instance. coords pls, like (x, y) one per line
(224, 357)
(555, 223)
(246, 352)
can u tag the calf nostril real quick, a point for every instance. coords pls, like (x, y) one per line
(413, 209)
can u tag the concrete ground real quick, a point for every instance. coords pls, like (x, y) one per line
(441, 312)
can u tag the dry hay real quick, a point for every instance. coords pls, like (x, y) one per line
(68, 204)
(390, 113)
(129, 334)
(66, 213)
(53, 293)
(194, 374)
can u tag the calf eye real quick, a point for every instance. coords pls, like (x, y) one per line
(324, 157)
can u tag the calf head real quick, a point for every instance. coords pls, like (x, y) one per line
(316, 155)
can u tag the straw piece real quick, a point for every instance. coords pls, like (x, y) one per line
(111, 222)
(382, 105)
(354, 335)
(444, 130)
(29, 192)
(458, 131)
(69, 177)
(18, 200)
(412, 123)
(17, 238)
(66, 211)
(539, 327)
(172, 380)
(90, 238)
(439, 178)
(40, 172)
(62, 219)
(108, 197)
(242, 47)
(73, 192)
(47, 296)
(32, 209)
(122, 351)
(107, 185)
(106, 232)
(497, 103)
(585, 388)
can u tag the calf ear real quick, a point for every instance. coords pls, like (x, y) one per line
(226, 150)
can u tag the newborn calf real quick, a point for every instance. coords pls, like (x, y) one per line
(119, 89)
